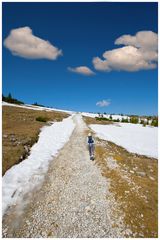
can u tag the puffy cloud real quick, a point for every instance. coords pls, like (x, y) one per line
(82, 70)
(103, 103)
(143, 39)
(101, 65)
(139, 53)
(21, 42)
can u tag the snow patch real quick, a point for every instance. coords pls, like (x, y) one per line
(114, 116)
(92, 115)
(134, 137)
(33, 107)
(22, 178)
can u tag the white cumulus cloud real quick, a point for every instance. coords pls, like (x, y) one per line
(103, 103)
(139, 53)
(82, 70)
(21, 42)
(143, 39)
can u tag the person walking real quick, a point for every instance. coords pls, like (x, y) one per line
(91, 146)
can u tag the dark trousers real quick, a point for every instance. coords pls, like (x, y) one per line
(91, 149)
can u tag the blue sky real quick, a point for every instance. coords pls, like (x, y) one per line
(82, 31)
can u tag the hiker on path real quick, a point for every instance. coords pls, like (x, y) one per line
(91, 146)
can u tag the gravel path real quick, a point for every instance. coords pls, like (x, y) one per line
(74, 200)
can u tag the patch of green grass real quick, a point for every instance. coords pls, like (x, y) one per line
(41, 119)
(89, 120)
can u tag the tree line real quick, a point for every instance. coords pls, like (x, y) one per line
(10, 99)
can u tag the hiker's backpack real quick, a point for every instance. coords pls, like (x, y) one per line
(90, 139)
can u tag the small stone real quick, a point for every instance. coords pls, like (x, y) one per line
(88, 209)
(38, 236)
(44, 234)
(128, 232)
(26, 148)
(28, 222)
(142, 174)
(152, 178)
(141, 235)
(5, 135)
(5, 230)
(131, 171)
(13, 139)
(135, 168)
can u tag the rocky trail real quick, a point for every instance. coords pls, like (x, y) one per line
(73, 201)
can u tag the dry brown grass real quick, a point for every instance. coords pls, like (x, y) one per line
(19, 129)
(90, 120)
(137, 195)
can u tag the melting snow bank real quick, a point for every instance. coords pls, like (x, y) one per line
(134, 137)
(33, 107)
(22, 178)
(114, 116)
